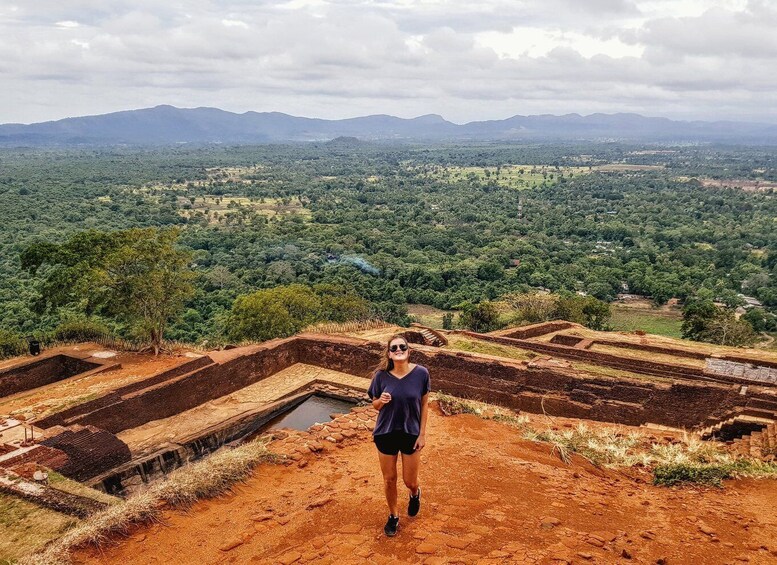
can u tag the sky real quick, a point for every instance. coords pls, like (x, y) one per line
(465, 60)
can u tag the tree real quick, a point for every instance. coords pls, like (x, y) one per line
(138, 276)
(482, 317)
(760, 320)
(705, 321)
(273, 312)
(586, 310)
(725, 329)
(339, 304)
(532, 307)
(696, 312)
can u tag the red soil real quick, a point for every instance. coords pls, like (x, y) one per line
(488, 497)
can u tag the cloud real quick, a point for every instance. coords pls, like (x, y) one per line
(340, 58)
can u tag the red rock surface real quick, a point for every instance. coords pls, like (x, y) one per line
(488, 497)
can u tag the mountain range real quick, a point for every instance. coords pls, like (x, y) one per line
(167, 125)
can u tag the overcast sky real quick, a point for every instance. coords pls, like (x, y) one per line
(466, 60)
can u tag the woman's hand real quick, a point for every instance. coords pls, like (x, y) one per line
(420, 442)
(381, 401)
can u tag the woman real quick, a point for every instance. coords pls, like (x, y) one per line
(399, 392)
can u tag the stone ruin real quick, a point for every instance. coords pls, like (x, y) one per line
(85, 441)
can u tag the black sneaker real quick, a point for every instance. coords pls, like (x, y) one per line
(415, 503)
(390, 529)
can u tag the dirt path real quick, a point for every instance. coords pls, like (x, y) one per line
(488, 497)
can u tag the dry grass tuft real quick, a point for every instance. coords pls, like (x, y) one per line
(451, 405)
(689, 460)
(181, 488)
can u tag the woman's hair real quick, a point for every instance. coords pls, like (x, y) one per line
(387, 363)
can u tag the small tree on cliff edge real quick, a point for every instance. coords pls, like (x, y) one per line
(136, 276)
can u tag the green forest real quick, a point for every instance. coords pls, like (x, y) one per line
(363, 229)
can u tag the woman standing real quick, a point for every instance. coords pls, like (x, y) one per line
(399, 392)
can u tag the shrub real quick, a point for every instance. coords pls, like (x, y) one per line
(11, 344)
(482, 317)
(80, 330)
(676, 473)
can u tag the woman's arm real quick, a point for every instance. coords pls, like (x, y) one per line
(381, 401)
(421, 441)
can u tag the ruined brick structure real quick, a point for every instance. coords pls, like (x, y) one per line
(682, 396)
(46, 370)
(557, 390)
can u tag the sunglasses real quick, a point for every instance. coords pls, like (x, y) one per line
(400, 347)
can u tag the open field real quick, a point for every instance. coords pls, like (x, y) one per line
(429, 315)
(216, 208)
(627, 167)
(510, 176)
(213, 176)
(748, 185)
(658, 321)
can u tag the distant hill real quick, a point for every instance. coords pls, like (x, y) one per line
(166, 125)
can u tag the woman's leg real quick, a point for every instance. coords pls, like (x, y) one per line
(388, 466)
(410, 466)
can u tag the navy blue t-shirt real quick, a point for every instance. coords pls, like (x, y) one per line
(403, 413)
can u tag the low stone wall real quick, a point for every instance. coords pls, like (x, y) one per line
(535, 330)
(738, 370)
(49, 497)
(176, 395)
(42, 371)
(633, 365)
(347, 355)
(568, 340)
(69, 415)
(652, 348)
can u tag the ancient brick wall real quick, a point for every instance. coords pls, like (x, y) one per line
(352, 356)
(568, 340)
(564, 393)
(599, 358)
(90, 451)
(535, 330)
(65, 417)
(651, 348)
(758, 362)
(558, 391)
(41, 372)
(41, 454)
(172, 396)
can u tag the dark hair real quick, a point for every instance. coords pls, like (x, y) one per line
(387, 363)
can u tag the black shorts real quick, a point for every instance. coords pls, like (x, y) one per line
(394, 442)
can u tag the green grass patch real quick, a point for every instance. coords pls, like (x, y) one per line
(677, 473)
(519, 177)
(462, 343)
(658, 322)
(59, 482)
(26, 527)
